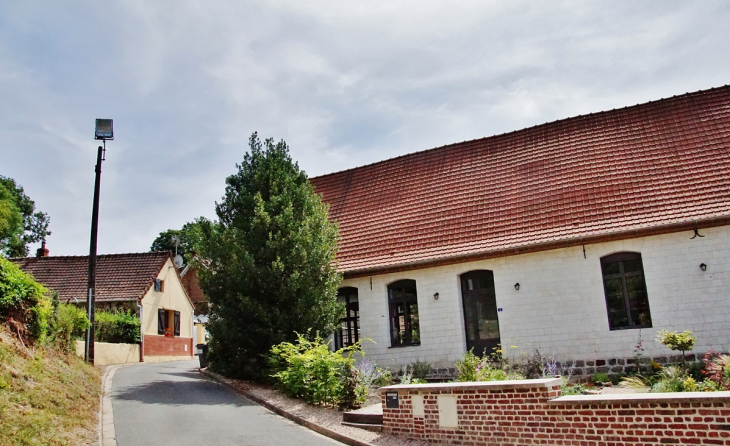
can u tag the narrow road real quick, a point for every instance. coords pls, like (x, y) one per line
(173, 404)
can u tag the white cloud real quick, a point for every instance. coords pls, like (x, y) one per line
(344, 83)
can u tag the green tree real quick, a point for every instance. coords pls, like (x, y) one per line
(190, 237)
(268, 263)
(20, 224)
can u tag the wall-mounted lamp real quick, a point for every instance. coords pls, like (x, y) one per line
(517, 286)
(436, 296)
(703, 267)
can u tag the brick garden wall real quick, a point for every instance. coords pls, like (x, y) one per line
(167, 346)
(530, 412)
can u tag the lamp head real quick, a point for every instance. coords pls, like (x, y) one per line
(104, 129)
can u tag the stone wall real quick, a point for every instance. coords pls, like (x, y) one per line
(531, 412)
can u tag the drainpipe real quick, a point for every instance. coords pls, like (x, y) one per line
(141, 331)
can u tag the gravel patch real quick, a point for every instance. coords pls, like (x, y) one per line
(328, 417)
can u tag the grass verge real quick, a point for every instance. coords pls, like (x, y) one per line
(50, 399)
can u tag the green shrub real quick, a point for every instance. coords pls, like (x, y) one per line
(420, 370)
(601, 378)
(69, 323)
(490, 368)
(120, 327)
(672, 379)
(467, 367)
(572, 389)
(679, 342)
(24, 300)
(370, 376)
(311, 371)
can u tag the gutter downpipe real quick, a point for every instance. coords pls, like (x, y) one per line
(141, 333)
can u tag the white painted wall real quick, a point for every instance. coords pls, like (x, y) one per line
(560, 307)
(172, 297)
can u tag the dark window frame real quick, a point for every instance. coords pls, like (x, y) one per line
(168, 320)
(619, 259)
(398, 298)
(348, 332)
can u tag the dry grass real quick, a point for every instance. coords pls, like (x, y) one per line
(51, 399)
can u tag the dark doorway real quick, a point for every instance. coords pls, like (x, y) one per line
(480, 312)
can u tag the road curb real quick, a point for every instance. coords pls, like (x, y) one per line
(107, 434)
(288, 415)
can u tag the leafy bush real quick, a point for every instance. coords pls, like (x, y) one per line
(69, 324)
(371, 376)
(572, 389)
(672, 379)
(717, 370)
(467, 367)
(679, 342)
(601, 378)
(120, 327)
(25, 301)
(311, 371)
(420, 369)
(490, 368)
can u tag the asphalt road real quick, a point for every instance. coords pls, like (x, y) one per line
(173, 404)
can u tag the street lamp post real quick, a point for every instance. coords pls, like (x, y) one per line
(104, 131)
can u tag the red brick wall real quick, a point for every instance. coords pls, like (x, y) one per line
(530, 414)
(167, 346)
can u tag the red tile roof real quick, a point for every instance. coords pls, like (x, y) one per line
(663, 164)
(192, 285)
(118, 276)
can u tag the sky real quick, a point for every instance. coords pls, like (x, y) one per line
(344, 83)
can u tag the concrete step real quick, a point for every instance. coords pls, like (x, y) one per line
(368, 427)
(372, 415)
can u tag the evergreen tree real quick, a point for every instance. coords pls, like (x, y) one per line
(268, 263)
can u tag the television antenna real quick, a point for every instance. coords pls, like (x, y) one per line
(178, 260)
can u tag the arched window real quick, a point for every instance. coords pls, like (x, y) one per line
(349, 331)
(403, 303)
(627, 302)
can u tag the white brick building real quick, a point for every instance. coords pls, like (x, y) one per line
(614, 225)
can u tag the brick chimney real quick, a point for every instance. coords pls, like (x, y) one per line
(42, 251)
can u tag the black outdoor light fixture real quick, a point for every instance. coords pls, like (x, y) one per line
(703, 267)
(517, 286)
(436, 296)
(103, 131)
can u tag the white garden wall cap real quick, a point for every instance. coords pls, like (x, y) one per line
(492, 385)
(644, 397)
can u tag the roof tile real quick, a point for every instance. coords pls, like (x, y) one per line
(649, 165)
(118, 276)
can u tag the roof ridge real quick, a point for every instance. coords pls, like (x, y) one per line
(570, 118)
(120, 254)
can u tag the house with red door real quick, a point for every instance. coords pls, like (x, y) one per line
(578, 238)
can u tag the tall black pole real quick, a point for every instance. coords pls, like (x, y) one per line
(89, 352)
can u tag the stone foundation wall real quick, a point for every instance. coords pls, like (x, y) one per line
(584, 369)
